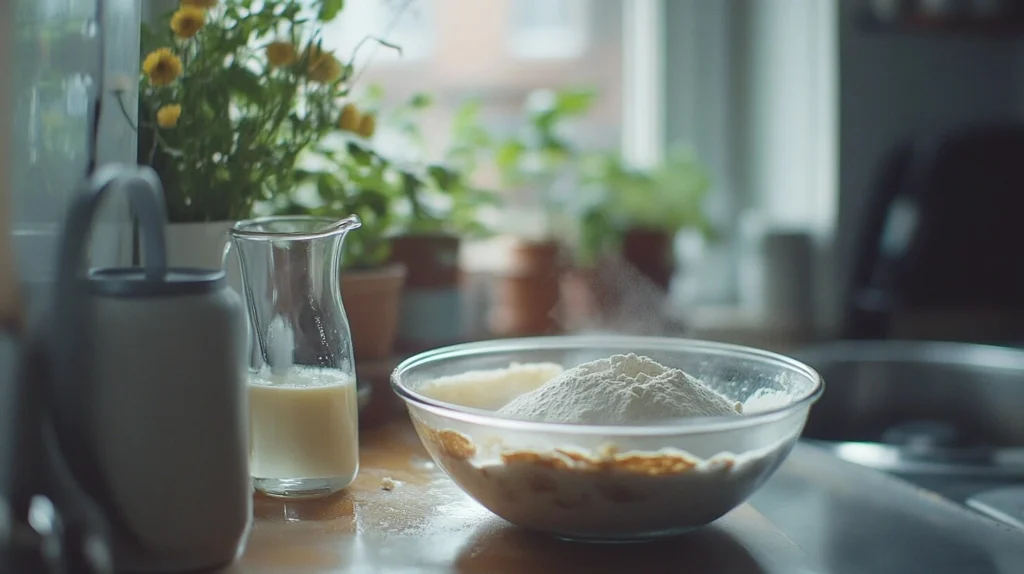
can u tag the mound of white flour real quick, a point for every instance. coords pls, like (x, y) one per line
(622, 389)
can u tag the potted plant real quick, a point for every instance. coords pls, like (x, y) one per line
(440, 204)
(536, 165)
(231, 94)
(627, 222)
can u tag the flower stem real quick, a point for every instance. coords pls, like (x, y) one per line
(124, 110)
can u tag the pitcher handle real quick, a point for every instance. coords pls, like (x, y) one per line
(66, 388)
(146, 196)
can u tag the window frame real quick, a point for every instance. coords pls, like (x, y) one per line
(727, 104)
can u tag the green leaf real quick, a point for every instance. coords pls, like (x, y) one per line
(293, 10)
(391, 45)
(329, 9)
(361, 155)
(574, 102)
(509, 154)
(244, 82)
(373, 95)
(420, 101)
(375, 200)
(467, 115)
(346, 74)
(411, 186)
(443, 176)
(327, 186)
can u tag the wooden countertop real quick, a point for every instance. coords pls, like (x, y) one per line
(426, 524)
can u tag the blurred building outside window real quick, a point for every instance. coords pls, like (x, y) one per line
(548, 29)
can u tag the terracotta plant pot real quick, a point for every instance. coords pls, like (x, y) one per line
(431, 260)
(651, 251)
(431, 302)
(526, 301)
(372, 298)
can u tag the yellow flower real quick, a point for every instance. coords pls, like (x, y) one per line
(187, 21)
(350, 118)
(167, 116)
(322, 67)
(199, 3)
(161, 66)
(281, 54)
(367, 125)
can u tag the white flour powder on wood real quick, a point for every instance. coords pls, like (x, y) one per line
(621, 389)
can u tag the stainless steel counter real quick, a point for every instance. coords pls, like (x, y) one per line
(849, 519)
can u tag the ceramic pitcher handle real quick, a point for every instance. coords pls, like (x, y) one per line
(146, 196)
(68, 387)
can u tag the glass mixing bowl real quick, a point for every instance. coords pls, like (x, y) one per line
(613, 482)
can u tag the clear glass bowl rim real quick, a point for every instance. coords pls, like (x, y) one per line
(691, 425)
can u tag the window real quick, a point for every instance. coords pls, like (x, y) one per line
(45, 128)
(752, 88)
(470, 60)
(409, 24)
(548, 29)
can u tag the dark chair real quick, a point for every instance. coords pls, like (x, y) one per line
(941, 237)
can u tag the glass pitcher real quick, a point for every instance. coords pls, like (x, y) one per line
(302, 390)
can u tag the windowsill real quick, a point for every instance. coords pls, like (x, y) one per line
(735, 324)
(720, 322)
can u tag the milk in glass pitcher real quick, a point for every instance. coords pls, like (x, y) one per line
(302, 388)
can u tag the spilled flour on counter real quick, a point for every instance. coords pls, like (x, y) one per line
(622, 389)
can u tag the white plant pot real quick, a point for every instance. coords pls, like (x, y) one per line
(202, 245)
(197, 244)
